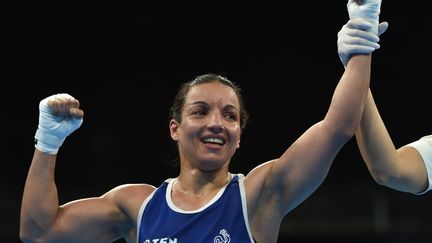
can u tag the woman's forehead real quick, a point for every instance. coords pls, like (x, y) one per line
(212, 92)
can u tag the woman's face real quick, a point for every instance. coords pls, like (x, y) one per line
(209, 133)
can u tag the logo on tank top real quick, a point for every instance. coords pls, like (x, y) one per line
(223, 237)
(162, 240)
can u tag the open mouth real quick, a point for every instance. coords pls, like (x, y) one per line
(213, 140)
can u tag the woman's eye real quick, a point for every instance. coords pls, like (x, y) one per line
(231, 116)
(199, 112)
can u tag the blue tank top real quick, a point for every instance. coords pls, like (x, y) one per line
(223, 219)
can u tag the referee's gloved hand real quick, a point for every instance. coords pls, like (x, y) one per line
(368, 10)
(59, 116)
(355, 37)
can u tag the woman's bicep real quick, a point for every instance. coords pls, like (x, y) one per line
(96, 219)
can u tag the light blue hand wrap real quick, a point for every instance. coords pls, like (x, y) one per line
(52, 129)
(368, 10)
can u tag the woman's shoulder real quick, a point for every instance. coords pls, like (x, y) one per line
(129, 197)
(131, 191)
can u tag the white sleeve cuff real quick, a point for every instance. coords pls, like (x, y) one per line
(424, 147)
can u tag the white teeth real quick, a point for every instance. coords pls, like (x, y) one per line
(213, 140)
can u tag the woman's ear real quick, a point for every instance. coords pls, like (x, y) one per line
(238, 142)
(173, 126)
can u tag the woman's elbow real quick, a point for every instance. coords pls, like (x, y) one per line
(27, 236)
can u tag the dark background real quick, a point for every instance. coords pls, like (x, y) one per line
(124, 61)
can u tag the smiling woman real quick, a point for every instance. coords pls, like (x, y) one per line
(210, 121)
(205, 202)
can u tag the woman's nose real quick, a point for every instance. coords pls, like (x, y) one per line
(215, 123)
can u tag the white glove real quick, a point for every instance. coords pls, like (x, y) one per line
(355, 37)
(58, 118)
(368, 10)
